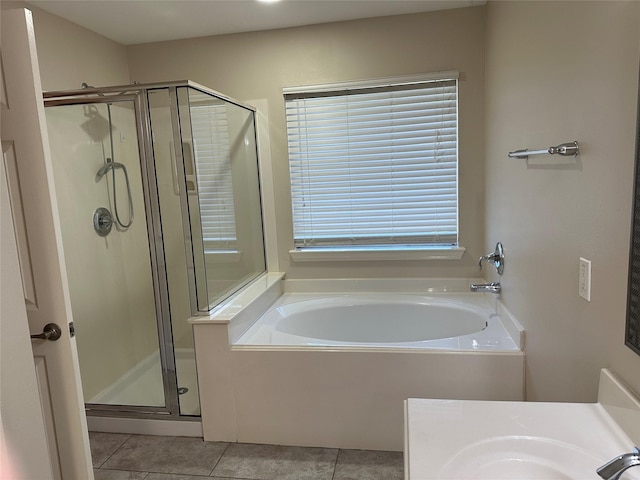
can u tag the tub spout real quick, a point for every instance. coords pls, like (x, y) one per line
(493, 287)
(615, 468)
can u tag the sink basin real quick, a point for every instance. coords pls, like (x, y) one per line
(521, 457)
(499, 440)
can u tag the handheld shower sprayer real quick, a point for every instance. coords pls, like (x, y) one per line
(108, 166)
(112, 166)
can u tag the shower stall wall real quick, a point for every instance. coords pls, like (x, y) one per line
(159, 200)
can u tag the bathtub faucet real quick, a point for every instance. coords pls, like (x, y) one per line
(613, 469)
(496, 258)
(493, 287)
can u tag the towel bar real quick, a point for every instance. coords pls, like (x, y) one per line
(570, 149)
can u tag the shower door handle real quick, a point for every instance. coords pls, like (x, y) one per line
(51, 331)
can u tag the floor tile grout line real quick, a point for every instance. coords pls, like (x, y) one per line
(114, 452)
(134, 469)
(236, 478)
(222, 455)
(278, 445)
(335, 464)
(129, 471)
(149, 472)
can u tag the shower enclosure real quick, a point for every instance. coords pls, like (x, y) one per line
(159, 201)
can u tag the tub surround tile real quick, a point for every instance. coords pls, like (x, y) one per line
(274, 462)
(180, 455)
(422, 286)
(369, 465)
(104, 474)
(261, 393)
(215, 382)
(343, 392)
(103, 445)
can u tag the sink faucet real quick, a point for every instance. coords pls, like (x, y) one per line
(613, 469)
(493, 287)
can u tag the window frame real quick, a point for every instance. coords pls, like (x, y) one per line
(389, 251)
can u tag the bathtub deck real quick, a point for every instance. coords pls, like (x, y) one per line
(265, 332)
(337, 396)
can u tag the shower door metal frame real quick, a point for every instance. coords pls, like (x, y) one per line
(178, 99)
(137, 96)
(145, 126)
(185, 208)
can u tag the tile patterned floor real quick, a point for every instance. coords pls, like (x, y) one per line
(143, 457)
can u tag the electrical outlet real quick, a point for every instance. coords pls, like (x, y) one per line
(584, 279)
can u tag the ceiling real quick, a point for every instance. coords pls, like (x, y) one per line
(130, 22)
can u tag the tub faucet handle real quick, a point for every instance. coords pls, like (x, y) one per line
(496, 258)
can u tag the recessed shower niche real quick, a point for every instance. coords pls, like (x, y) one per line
(158, 196)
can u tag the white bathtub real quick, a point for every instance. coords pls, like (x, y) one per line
(457, 321)
(307, 366)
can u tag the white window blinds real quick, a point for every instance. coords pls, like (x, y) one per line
(213, 167)
(374, 166)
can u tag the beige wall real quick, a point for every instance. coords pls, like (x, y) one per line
(69, 54)
(258, 65)
(557, 72)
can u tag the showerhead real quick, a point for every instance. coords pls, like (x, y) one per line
(106, 167)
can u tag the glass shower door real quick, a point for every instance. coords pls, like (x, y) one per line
(99, 185)
(159, 201)
(206, 171)
(220, 157)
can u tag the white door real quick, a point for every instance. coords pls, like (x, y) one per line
(23, 448)
(44, 279)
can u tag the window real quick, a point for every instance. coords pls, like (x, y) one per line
(374, 165)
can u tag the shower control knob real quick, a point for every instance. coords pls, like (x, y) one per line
(102, 221)
(105, 221)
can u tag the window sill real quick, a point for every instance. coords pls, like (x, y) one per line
(338, 254)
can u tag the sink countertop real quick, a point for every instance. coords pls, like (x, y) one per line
(454, 439)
